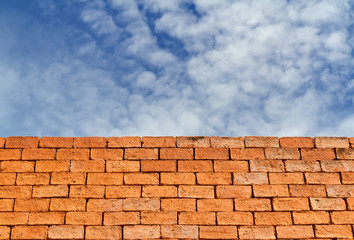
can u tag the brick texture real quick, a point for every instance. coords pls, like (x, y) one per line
(176, 188)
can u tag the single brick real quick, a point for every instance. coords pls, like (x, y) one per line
(327, 204)
(68, 178)
(123, 191)
(31, 205)
(350, 202)
(158, 217)
(334, 231)
(322, 178)
(193, 142)
(50, 191)
(159, 142)
(297, 142)
(235, 218)
(124, 142)
(10, 154)
(337, 166)
(141, 232)
(29, 232)
(33, 179)
(81, 191)
(270, 191)
(252, 204)
(105, 178)
(7, 178)
(56, 142)
(38, 154)
(307, 190)
(282, 153)
(267, 166)
(104, 205)
(66, 232)
(351, 141)
(6, 205)
(291, 204)
(83, 218)
(15, 191)
(340, 190)
(214, 178)
(141, 204)
(2, 142)
(196, 218)
(302, 166)
(214, 205)
(67, 204)
(295, 232)
(317, 154)
(141, 178)
(159, 191)
(218, 232)
(256, 232)
(106, 154)
(286, 178)
(176, 153)
(332, 142)
(343, 153)
(311, 217)
(195, 191)
(231, 166)
(342, 217)
(46, 218)
(211, 153)
(178, 232)
(177, 178)
(247, 153)
(4, 231)
(52, 166)
(17, 166)
(158, 165)
(250, 178)
(87, 166)
(103, 232)
(123, 166)
(272, 218)
(141, 153)
(13, 218)
(90, 142)
(233, 191)
(262, 142)
(21, 142)
(179, 205)
(73, 154)
(347, 178)
(195, 166)
(121, 218)
(227, 142)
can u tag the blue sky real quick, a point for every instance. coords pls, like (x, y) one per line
(176, 67)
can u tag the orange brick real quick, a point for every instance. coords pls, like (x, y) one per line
(81, 191)
(282, 153)
(261, 142)
(231, 166)
(106, 154)
(141, 153)
(233, 191)
(337, 166)
(196, 218)
(32, 179)
(52, 166)
(176, 153)
(297, 142)
(87, 166)
(141, 204)
(215, 205)
(350, 202)
(7, 178)
(38, 154)
(295, 232)
(66, 232)
(252, 204)
(17, 166)
(311, 217)
(307, 191)
(250, 178)
(159, 142)
(272, 218)
(124, 142)
(141, 178)
(327, 204)
(334, 231)
(332, 142)
(177, 232)
(177, 178)
(218, 232)
(322, 178)
(177, 204)
(141, 232)
(29, 232)
(196, 191)
(158, 165)
(68, 178)
(158, 217)
(286, 178)
(56, 142)
(256, 232)
(50, 191)
(104, 205)
(123, 166)
(340, 190)
(90, 142)
(247, 153)
(317, 154)
(227, 142)
(347, 178)
(83, 218)
(2, 142)
(103, 232)
(21, 142)
(302, 166)
(46, 218)
(73, 154)
(195, 166)
(13, 218)
(267, 166)
(342, 217)
(4, 231)
(351, 141)
(214, 178)
(270, 191)
(10, 154)
(159, 191)
(31, 205)
(343, 153)
(211, 153)
(235, 218)
(67, 204)
(6, 205)
(123, 191)
(198, 141)
(290, 204)
(105, 178)
(15, 191)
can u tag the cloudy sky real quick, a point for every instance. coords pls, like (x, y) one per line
(176, 67)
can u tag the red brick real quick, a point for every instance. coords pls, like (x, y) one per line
(176, 153)
(340, 190)
(307, 191)
(233, 191)
(141, 178)
(343, 153)
(196, 191)
(56, 142)
(159, 142)
(123, 166)
(158, 217)
(7, 178)
(261, 142)
(4, 231)
(15, 191)
(196, 218)
(193, 142)
(67, 204)
(334, 231)
(6, 205)
(2, 144)
(211, 153)
(311, 217)
(252, 204)
(10, 154)
(332, 142)
(90, 142)
(87, 166)
(17, 166)
(270, 191)
(282, 153)
(21, 142)
(235, 218)
(46, 218)
(159, 191)
(106, 154)
(158, 165)
(123, 191)
(256, 232)
(13, 218)
(322, 178)
(272, 218)
(29, 232)
(66, 232)
(87, 191)
(73, 154)
(295, 232)
(68, 178)
(347, 178)
(103, 232)
(31, 205)
(291, 204)
(141, 153)
(302, 166)
(121, 218)
(317, 154)
(50, 191)
(297, 142)
(195, 166)
(104, 205)
(267, 166)
(141, 204)
(214, 205)
(286, 178)
(214, 178)
(343, 217)
(250, 178)
(327, 204)
(177, 178)
(337, 166)
(32, 179)
(231, 166)
(105, 178)
(83, 218)
(124, 142)
(218, 232)
(141, 232)
(177, 204)
(227, 142)
(52, 166)
(177, 232)
(38, 154)
(247, 153)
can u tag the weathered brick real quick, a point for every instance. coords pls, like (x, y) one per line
(104, 205)
(67, 204)
(231, 166)
(227, 142)
(159, 191)
(343, 153)
(347, 178)
(332, 142)
(267, 166)
(351, 141)
(197, 218)
(214, 205)
(307, 191)
(80, 191)
(2, 142)
(176, 153)
(32, 179)
(106, 154)
(218, 232)
(302, 166)
(282, 153)
(158, 165)
(10, 154)
(6, 205)
(56, 142)
(252, 204)
(270, 191)
(350, 202)
(21, 142)
(105, 178)
(195, 191)
(334, 231)
(235, 218)
(286, 178)
(158, 217)
(247, 153)
(178, 204)
(262, 142)
(141, 232)
(295, 232)
(141, 204)
(193, 142)
(211, 153)
(46, 218)
(123, 166)
(141, 153)
(250, 178)
(178, 232)
(121, 218)
(322, 178)
(159, 142)
(13, 218)
(90, 142)
(337, 166)
(68, 178)
(141, 178)
(17, 166)
(29, 232)
(177, 178)
(233, 191)
(317, 154)
(340, 190)
(38, 154)
(342, 217)
(52, 166)
(124, 142)
(83, 218)
(73, 154)
(7, 178)
(4, 231)
(311, 217)
(50, 191)
(291, 204)
(327, 204)
(15, 191)
(103, 232)
(66, 232)
(214, 178)
(195, 166)
(297, 142)
(272, 218)
(31, 205)
(123, 191)
(87, 166)
(256, 232)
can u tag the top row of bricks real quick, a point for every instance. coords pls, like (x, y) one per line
(189, 142)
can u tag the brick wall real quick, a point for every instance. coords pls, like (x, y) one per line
(176, 188)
